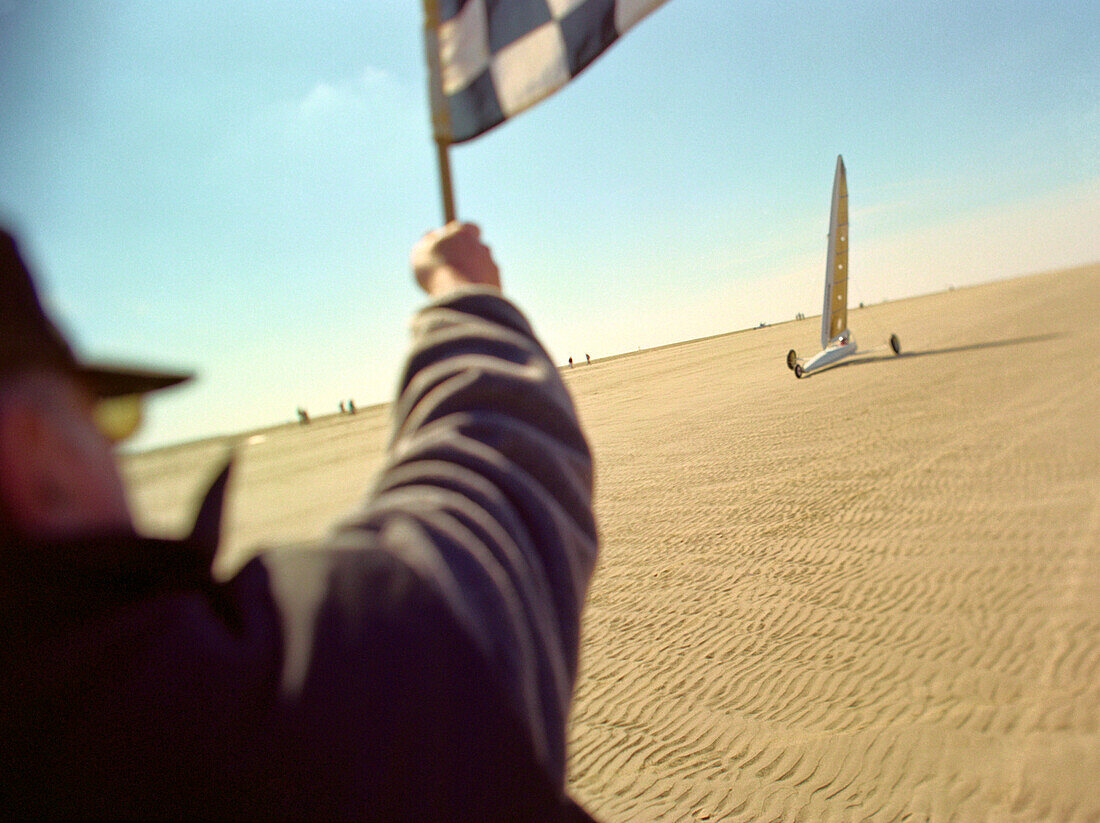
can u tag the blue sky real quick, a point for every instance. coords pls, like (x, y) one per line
(233, 187)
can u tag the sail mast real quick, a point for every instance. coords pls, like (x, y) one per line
(834, 313)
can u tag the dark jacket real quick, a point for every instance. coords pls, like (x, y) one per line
(416, 664)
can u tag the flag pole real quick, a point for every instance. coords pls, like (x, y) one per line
(440, 122)
(446, 187)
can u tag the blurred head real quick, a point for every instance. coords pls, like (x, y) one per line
(58, 476)
(59, 420)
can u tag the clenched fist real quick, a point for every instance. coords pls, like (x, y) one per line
(453, 256)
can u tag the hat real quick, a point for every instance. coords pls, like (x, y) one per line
(28, 337)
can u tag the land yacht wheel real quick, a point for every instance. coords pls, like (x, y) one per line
(798, 370)
(792, 359)
(895, 344)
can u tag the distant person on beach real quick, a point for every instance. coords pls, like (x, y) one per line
(588, 359)
(416, 664)
(570, 362)
(351, 407)
(342, 409)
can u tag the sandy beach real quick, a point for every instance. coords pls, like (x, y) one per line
(870, 594)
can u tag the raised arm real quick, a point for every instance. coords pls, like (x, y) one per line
(436, 632)
(489, 464)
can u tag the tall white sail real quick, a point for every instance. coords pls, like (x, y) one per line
(836, 340)
(834, 313)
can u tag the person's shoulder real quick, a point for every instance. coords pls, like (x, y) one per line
(475, 302)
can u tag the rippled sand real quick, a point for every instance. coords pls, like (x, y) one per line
(871, 594)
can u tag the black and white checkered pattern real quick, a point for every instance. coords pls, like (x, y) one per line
(499, 57)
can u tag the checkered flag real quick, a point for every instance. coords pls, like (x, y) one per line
(492, 59)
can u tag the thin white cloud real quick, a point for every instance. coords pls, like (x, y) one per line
(1051, 231)
(372, 77)
(324, 98)
(351, 94)
(886, 207)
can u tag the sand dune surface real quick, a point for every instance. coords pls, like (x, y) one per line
(870, 594)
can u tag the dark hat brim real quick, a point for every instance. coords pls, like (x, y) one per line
(115, 381)
(29, 338)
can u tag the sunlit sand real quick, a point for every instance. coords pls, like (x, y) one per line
(870, 594)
